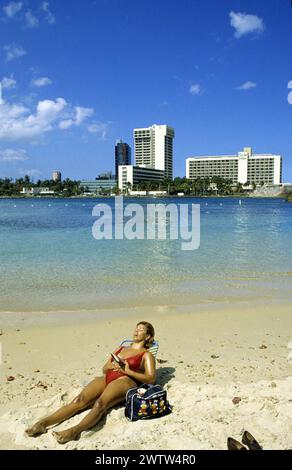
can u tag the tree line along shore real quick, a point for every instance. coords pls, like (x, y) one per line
(199, 187)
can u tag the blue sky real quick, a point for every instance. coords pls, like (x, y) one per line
(77, 75)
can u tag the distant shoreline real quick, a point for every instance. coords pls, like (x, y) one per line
(230, 196)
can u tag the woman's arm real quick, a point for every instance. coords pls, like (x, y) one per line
(149, 375)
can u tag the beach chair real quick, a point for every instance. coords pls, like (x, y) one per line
(153, 349)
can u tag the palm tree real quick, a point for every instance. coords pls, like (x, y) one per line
(27, 180)
(128, 187)
(239, 188)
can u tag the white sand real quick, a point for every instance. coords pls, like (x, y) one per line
(252, 360)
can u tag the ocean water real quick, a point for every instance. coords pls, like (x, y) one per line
(50, 261)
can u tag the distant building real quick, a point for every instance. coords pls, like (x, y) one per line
(105, 176)
(38, 191)
(241, 168)
(154, 148)
(130, 175)
(122, 155)
(56, 176)
(98, 185)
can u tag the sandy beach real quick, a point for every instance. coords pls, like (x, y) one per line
(205, 360)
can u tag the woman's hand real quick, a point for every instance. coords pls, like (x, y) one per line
(116, 367)
(107, 368)
(126, 369)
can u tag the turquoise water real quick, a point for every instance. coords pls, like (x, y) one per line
(50, 260)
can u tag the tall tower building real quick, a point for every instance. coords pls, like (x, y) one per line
(154, 148)
(56, 176)
(122, 155)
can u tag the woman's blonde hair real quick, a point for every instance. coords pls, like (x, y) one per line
(150, 331)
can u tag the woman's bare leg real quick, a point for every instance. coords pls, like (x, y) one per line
(114, 393)
(86, 397)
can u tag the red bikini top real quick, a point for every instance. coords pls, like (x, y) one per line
(133, 361)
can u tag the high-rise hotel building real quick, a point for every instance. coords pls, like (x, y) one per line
(154, 148)
(241, 168)
(153, 156)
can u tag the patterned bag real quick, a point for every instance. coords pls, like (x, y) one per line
(146, 402)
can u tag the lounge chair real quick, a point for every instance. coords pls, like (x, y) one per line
(153, 349)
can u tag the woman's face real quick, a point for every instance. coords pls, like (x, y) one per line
(140, 333)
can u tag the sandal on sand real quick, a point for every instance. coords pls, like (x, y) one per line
(250, 441)
(233, 444)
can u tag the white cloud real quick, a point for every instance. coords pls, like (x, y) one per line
(8, 82)
(66, 124)
(10, 155)
(246, 24)
(12, 8)
(28, 18)
(246, 86)
(43, 81)
(19, 122)
(49, 15)
(31, 21)
(81, 114)
(290, 92)
(13, 52)
(47, 112)
(100, 128)
(195, 89)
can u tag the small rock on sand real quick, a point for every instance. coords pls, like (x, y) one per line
(10, 378)
(236, 400)
(42, 385)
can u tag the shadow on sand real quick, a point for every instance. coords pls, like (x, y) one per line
(163, 376)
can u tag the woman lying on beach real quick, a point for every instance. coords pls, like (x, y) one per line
(102, 393)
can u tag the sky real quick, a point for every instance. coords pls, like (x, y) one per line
(78, 75)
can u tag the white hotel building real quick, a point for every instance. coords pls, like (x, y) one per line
(130, 175)
(241, 168)
(153, 156)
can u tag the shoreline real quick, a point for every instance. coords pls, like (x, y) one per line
(210, 357)
(97, 196)
(27, 319)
